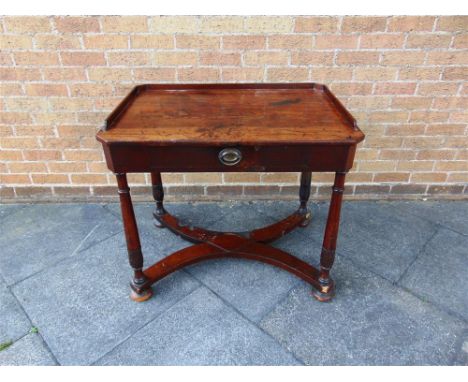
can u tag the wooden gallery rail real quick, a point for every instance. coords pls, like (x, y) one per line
(230, 128)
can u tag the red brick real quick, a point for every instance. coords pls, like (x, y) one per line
(6, 193)
(311, 58)
(336, 42)
(287, 74)
(198, 74)
(155, 74)
(327, 74)
(57, 42)
(5, 59)
(15, 118)
(72, 191)
(435, 154)
(20, 74)
(72, 24)
(358, 58)
(27, 24)
(33, 192)
(152, 42)
(82, 58)
(447, 58)
(406, 88)
(392, 177)
(320, 24)
(428, 40)
(372, 189)
(256, 58)
(242, 74)
(402, 58)
(452, 23)
(38, 155)
(382, 41)
(441, 189)
(460, 41)
(455, 73)
(419, 74)
(289, 42)
(197, 42)
(439, 89)
(10, 89)
(375, 73)
(351, 88)
(411, 23)
(261, 190)
(36, 58)
(64, 74)
(244, 42)
(224, 190)
(129, 58)
(50, 178)
(220, 58)
(359, 24)
(46, 90)
(409, 189)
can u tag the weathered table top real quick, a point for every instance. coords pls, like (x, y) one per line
(231, 114)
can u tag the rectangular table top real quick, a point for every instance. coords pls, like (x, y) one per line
(231, 114)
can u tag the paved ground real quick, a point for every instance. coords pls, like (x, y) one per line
(401, 273)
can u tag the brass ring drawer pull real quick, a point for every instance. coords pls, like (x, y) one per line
(230, 157)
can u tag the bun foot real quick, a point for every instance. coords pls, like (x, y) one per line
(324, 297)
(307, 220)
(157, 222)
(143, 296)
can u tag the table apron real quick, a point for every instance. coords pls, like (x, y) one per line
(123, 158)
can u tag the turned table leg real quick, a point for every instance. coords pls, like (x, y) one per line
(135, 256)
(327, 256)
(304, 194)
(158, 196)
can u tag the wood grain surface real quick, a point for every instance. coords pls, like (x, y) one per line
(231, 114)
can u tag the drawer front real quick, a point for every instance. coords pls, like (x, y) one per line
(139, 158)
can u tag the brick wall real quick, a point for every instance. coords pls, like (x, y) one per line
(403, 78)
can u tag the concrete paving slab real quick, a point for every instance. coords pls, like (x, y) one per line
(37, 236)
(199, 330)
(82, 306)
(370, 322)
(28, 351)
(440, 273)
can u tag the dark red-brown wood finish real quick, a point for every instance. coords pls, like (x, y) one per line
(230, 128)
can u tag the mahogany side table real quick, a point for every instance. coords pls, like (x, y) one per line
(227, 128)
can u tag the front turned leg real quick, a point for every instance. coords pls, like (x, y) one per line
(158, 196)
(327, 256)
(304, 194)
(135, 256)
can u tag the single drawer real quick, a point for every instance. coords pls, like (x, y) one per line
(147, 158)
